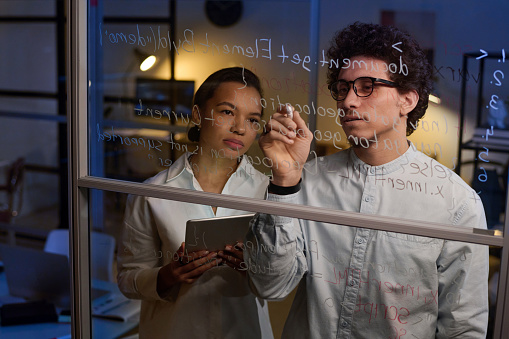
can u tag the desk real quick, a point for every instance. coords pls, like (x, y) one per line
(101, 328)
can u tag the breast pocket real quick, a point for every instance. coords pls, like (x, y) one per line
(410, 240)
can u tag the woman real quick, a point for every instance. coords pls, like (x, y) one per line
(207, 297)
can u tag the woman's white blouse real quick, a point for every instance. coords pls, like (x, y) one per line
(219, 304)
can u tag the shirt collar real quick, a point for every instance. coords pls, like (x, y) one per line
(387, 168)
(182, 167)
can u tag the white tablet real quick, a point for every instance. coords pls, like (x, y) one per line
(214, 234)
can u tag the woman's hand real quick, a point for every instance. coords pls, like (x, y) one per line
(286, 142)
(233, 256)
(186, 269)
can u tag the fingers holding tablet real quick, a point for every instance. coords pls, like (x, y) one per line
(233, 256)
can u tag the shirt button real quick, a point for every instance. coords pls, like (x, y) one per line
(344, 324)
(372, 170)
(359, 240)
(351, 282)
(366, 199)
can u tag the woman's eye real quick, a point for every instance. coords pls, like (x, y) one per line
(253, 120)
(227, 112)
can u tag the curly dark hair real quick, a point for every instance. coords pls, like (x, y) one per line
(371, 40)
(209, 86)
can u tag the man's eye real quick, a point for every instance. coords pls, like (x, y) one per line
(227, 112)
(253, 120)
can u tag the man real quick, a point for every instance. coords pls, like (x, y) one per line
(356, 282)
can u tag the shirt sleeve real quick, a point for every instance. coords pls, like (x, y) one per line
(274, 253)
(463, 281)
(138, 261)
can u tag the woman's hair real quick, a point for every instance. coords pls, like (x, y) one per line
(376, 41)
(209, 86)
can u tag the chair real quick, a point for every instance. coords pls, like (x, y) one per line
(13, 188)
(102, 251)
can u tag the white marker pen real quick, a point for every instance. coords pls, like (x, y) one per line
(289, 111)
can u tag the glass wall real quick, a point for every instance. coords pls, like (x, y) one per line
(132, 124)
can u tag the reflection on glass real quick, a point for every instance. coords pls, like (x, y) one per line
(329, 251)
(416, 183)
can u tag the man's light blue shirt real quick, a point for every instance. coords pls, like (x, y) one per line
(361, 283)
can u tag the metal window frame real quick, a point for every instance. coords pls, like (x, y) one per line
(80, 183)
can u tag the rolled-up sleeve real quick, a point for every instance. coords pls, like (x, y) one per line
(274, 253)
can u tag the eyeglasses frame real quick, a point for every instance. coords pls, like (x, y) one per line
(352, 84)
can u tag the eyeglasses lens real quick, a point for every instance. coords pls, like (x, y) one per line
(364, 86)
(340, 90)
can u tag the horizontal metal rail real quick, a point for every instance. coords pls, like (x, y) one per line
(375, 222)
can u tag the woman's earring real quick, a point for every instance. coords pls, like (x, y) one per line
(194, 133)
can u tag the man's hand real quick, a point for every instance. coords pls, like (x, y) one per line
(286, 142)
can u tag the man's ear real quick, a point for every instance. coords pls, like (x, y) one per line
(196, 116)
(408, 101)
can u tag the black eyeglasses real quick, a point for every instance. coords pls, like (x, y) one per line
(363, 87)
